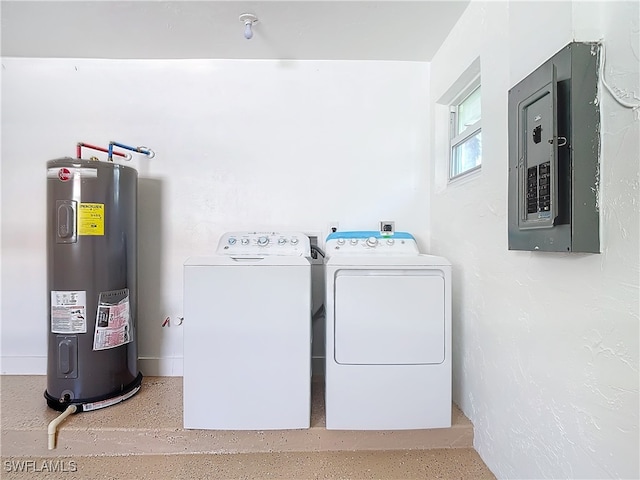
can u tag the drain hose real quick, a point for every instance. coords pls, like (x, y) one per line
(53, 426)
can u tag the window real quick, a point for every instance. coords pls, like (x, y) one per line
(466, 132)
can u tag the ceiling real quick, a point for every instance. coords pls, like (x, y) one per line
(294, 29)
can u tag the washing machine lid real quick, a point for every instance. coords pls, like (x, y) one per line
(262, 244)
(246, 261)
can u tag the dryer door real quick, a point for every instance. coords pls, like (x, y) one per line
(389, 317)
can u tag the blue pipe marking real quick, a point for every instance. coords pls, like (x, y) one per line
(133, 149)
(369, 233)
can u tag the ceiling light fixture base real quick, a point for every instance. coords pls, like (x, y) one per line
(248, 19)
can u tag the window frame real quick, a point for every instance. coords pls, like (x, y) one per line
(456, 140)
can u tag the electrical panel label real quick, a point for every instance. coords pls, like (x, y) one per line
(91, 219)
(68, 312)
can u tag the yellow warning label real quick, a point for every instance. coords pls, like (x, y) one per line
(91, 219)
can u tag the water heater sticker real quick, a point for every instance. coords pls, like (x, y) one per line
(113, 320)
(91, 219)
(68, 312)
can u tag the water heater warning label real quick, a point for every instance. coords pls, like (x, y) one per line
(91, 219)
(68, 312)
(113, 320)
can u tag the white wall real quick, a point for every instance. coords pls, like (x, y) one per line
(545, 345)
(239, 145)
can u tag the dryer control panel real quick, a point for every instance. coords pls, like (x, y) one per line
(262, 244)
(371, 243)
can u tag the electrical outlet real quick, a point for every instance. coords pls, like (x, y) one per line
(387, 227)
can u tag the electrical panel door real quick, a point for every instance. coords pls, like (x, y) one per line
(554, 124)
(537, 178)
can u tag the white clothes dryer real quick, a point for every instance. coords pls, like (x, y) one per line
(388, 334)
(247, 334)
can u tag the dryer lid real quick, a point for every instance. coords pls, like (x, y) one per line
(368, 262)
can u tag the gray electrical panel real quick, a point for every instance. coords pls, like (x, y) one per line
(554, 154)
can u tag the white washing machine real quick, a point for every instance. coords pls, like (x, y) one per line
(388, 334)
(247, 334)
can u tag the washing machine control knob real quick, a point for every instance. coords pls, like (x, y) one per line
(372, 241)
(354, 241)
(294, 241)
(341, 241)
(263, 241)
(245, 241)
(232, 241)
(282, 241)
(390, 241)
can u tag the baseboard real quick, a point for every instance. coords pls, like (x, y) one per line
(23, 365)
(160, 367)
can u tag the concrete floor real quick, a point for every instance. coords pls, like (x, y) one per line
(143, 438)
(398, 464)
